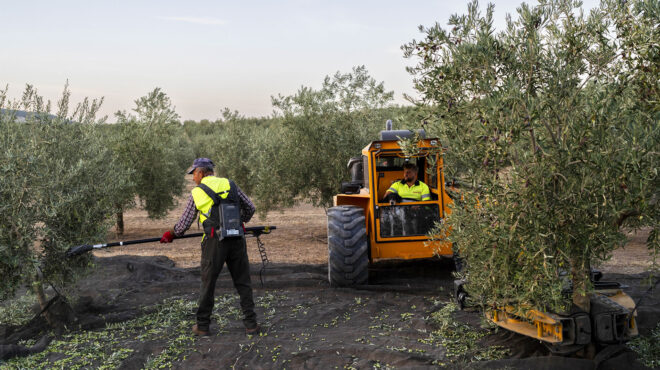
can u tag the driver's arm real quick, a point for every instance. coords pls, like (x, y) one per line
(392, 194)
(426, 192)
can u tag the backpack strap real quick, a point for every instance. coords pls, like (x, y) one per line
(233, 193)
(213, 195)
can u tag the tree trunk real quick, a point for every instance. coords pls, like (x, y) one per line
(120, 222)
(38, 288)
(579, 279)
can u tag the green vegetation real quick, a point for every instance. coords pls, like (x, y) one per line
(65, 175)
(461, 341)
(555, 122)
(241, 148)
(58, 186)
(300, 154)
(167, 325)
(648, 348)
(17, 311)
(325, 127)
(168, 322)
(152, 146)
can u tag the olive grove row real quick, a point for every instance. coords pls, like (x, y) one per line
(554, 120)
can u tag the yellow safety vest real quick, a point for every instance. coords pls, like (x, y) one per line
(203, 202)
(419, 191)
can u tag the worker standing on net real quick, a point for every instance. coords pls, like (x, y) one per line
(217, 246)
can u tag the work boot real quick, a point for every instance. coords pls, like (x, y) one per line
(253, 331)
(197, 331)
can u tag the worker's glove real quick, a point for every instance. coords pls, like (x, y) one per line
(168, 236)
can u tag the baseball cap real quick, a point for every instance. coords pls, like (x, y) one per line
(201, 162)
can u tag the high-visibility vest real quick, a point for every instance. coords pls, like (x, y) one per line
(419, 191)
(203, 202)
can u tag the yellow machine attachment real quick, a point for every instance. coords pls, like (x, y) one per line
(363, 227)
(611, 320)
(540, 325)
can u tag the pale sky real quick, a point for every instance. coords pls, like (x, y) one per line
(207, 55)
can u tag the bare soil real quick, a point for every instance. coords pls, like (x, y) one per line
(308, 324)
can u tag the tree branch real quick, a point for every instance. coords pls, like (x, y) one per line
(625, 215)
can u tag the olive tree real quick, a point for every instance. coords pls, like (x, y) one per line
(320, 131)
(555, 122)
(300, 153)
(199, 134)
(151, 143)
(236, 144)
(58, 187)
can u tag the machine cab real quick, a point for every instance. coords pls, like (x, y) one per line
(364, 227)
(407, 217)
(398, 230)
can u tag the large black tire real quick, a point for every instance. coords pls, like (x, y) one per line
(348, 249)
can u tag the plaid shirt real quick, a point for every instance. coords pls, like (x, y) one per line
(190, 213)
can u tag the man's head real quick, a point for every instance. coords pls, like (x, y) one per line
(410, 172)
(201, 168)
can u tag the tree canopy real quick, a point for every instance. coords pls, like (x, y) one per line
(554, 121)
(152, 145)
(321, 130)
(58, 188)
(300, 153)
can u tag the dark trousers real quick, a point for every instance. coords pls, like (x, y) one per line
(214, 255)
